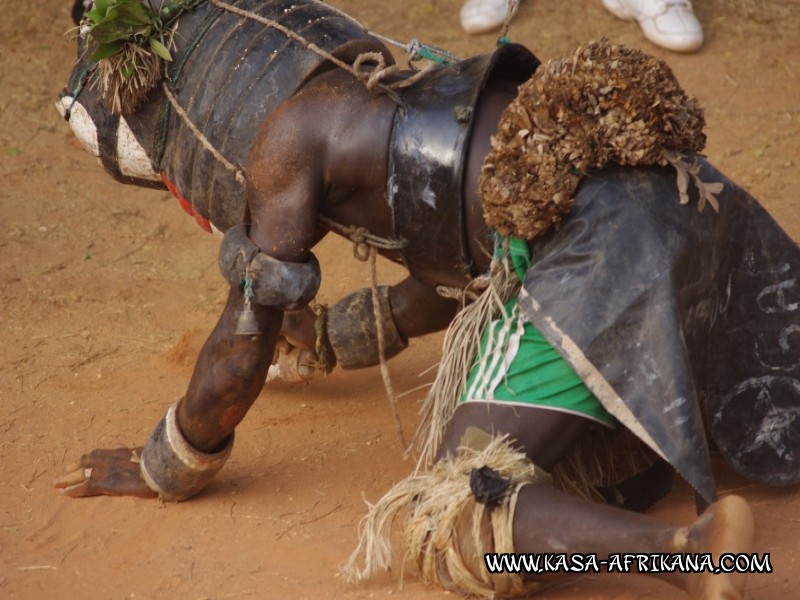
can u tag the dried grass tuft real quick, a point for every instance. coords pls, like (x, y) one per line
(126, 77)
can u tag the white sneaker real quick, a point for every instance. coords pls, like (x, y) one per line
(480, 16)
(668, 23)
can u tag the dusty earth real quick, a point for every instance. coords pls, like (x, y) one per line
(107, 293)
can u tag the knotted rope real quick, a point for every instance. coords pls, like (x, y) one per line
(361, 237)
(371, 79)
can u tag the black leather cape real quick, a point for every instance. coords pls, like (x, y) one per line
(683, 323)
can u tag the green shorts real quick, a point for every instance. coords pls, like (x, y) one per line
(517, 365)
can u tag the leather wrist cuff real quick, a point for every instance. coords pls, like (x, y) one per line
(173, 468)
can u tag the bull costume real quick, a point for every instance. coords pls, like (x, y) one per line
(639, 311)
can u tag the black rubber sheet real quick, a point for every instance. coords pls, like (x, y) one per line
(681, 322)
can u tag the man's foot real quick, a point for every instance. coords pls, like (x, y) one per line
(725, 527)
(480, 16)
(671, 24)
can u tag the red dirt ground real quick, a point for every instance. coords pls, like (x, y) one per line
(107, 293)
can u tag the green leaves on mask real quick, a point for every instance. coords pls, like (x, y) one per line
(113, 23)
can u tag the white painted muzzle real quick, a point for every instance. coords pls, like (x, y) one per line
(131, 158)
(80, 122)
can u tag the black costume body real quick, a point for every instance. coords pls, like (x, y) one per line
(228, 74)
(664, 311)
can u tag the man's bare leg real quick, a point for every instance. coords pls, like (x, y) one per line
(229, 375)
(548, 520)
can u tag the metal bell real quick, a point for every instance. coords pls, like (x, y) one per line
(247, 324)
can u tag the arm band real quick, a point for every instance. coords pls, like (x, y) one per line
(352, 333)
(278, 284)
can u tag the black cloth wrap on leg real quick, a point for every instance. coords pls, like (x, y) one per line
(352, 332)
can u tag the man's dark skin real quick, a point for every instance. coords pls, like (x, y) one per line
(336, 165)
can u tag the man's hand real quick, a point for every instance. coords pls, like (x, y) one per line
(104, 473)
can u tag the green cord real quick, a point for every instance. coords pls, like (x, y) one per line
(427, 53)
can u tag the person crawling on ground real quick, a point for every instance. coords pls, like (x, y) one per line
(617, 258)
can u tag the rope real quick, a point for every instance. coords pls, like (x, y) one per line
(371, 79)
(361, 237)
(418, 50)
(463, 295)
(365, 247)
(512, 6)
(237, 172)
(162, 125)
(325, 361)
(387, 380)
